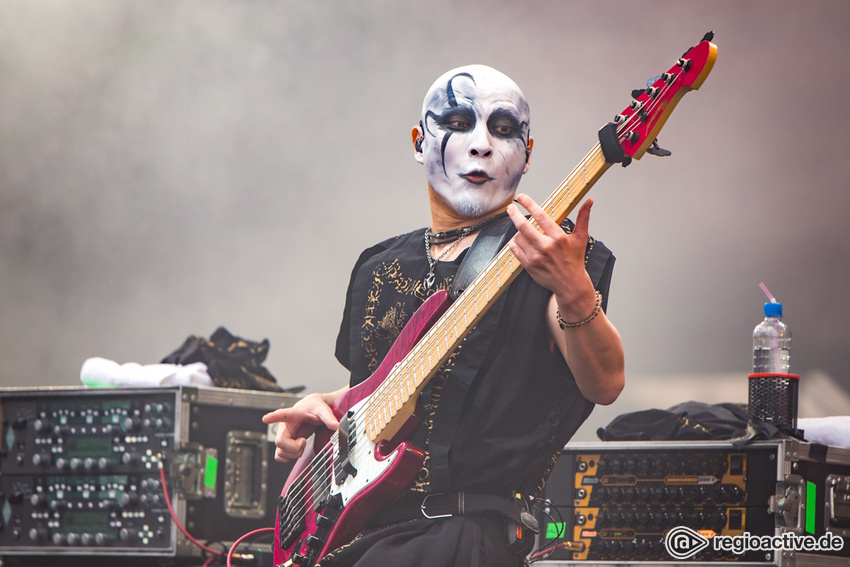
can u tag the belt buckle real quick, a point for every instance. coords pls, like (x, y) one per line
(424, 513)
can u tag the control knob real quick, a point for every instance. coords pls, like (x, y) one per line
(42, 459)
(38, 499)
(132, 424)
(130, 499)
(38, 535)
(130, 458)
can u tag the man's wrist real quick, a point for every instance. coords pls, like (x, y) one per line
(569, 325)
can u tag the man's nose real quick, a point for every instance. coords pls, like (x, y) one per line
(479, 142)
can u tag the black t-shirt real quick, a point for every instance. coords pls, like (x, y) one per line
(504, 403)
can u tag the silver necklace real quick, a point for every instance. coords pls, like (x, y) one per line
(430, 278)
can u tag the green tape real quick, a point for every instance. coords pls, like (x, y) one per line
(555, 530)
(210, 472)
(811, 505)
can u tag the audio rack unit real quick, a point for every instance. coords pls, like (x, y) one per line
(615, 502)
(80, 470)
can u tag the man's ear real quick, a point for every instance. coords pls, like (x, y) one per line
(416, 137)
(528, 148)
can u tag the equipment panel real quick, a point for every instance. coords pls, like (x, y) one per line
(92, 472)
(616, 502)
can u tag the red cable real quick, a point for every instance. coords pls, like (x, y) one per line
(174, 516)
(243, 538)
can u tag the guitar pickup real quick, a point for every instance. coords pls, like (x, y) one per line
(342, 464)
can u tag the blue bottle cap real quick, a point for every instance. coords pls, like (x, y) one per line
(773, 310)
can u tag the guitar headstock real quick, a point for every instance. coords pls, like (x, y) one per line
(635, 129)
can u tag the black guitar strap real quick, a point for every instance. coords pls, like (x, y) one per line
(484, 248)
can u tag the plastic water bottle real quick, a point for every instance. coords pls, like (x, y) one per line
(772, 342)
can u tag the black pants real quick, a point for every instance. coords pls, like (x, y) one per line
(458, 541)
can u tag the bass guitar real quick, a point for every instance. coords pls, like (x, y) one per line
(347, 475)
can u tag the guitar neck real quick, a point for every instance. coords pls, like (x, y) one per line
(392, 403)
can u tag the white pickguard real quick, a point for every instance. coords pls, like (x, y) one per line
(362, 456)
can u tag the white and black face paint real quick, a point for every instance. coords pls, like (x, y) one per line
(475, 123)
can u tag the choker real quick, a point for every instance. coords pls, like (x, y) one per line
(454, 236)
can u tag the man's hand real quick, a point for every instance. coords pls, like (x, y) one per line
(554, 258)
(300, 422)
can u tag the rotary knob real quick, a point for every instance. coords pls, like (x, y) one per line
(130, 458)
(38, 499)
(130, 499)
(132, 424)
(42, 459)
(38, 535)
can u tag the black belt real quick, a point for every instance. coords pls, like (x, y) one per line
(434, 506)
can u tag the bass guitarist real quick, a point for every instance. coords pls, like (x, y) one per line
(523, 380)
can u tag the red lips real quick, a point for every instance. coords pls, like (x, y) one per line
(477, 177)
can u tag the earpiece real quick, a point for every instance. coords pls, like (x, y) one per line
(417, 144)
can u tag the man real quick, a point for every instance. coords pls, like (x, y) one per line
(523, 380)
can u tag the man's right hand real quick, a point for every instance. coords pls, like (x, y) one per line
(299, 422)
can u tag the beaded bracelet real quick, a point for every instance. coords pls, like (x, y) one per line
(592, 316)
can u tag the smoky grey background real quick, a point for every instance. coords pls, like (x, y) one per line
(169, 167)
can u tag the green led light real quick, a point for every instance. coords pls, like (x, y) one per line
(811, 504)
(555, 530)
(210, 472)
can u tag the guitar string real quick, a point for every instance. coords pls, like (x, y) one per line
(326, 453)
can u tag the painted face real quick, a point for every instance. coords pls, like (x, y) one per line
(475, 128)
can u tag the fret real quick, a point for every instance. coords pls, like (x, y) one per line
(422, 365)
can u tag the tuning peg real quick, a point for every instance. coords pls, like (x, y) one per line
(657, 150)
(637, 92)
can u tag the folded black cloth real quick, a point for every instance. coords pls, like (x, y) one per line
(232, 362)
(691, 421)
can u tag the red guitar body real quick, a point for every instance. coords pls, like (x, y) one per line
(324, 516)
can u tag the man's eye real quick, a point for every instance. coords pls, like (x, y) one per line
(457, 120)
(504, 129)
(504, 124)
(458, 124)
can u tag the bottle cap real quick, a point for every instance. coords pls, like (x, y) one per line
(773, 309)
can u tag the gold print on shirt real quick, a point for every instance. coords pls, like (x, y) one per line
(380, 329)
